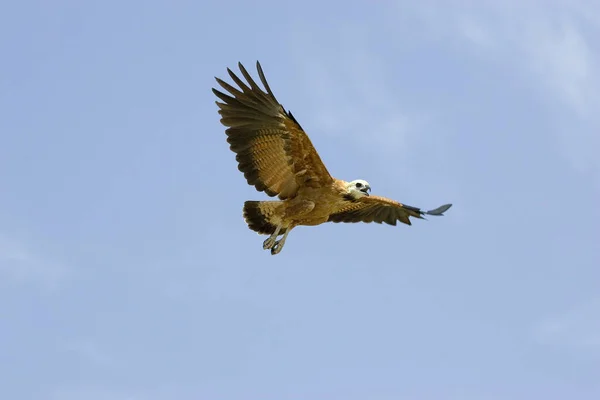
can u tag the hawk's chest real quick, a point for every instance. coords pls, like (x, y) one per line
(326, 201)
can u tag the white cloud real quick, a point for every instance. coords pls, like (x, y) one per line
(552, 45)
(20, 264)
(563, 59)
(578, 327)
(92, 393)
(473, 31)
(351, 91)
(556, 41)
(90, 351)
(556, 44)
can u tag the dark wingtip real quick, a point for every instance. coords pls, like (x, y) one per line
(440, 210)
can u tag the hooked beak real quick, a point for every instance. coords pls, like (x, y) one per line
(365, 190)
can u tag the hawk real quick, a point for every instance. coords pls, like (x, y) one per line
(277, 157)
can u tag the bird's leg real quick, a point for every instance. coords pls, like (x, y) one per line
(279, 244)
(271, 240)
(292, 212)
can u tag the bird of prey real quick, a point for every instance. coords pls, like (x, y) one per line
(277, 157)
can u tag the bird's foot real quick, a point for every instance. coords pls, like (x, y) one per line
(274, 244)
(276, 247)
(270, 242)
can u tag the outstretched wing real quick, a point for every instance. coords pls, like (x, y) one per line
(274, 153)
(380, 209)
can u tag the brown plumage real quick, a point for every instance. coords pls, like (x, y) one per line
(277, 157)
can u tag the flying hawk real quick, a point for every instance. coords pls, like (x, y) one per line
(277, 157)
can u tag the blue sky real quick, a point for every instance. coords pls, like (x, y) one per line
(127, 272)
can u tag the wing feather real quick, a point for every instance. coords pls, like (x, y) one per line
(272, 150)
(381, 210)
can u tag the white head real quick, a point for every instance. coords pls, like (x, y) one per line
(358, 188)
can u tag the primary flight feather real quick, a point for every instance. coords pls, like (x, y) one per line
(277, 157)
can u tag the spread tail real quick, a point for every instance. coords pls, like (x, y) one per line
(258, 216)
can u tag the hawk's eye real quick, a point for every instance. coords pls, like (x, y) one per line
(358, 185)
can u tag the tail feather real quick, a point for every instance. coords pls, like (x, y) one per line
(258, 216)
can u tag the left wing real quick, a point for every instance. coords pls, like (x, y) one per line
(272, 150)
(380, 209)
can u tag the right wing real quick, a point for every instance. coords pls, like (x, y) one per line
(381, 209)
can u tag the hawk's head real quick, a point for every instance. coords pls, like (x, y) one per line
(358, 188)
